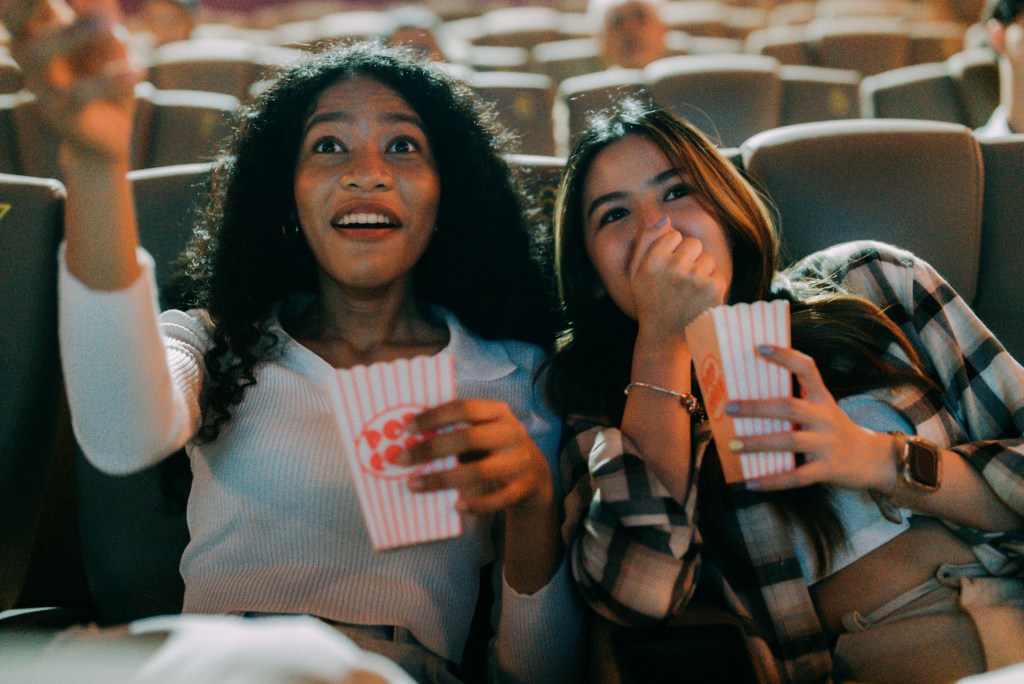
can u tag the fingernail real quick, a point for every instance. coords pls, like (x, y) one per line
(765, 350)
(461, 506)
(662, 221)
(736, 445)
(410, 426)
(753, 485)
(415, 483)
(403, 458)
(732, 408)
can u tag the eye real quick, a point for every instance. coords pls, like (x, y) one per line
(612, 215)
(404, 146)
(677, 191)
(327, 146)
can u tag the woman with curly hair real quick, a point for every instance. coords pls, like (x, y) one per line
(900, 529)
(363, 212)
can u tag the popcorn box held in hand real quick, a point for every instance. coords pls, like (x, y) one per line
(723, 341)
(371, 405)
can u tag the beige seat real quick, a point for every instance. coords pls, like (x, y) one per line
(729, 97)
(915, 184)
(524, 103)
(934, 41)
(31, 226)
(868, 45)
(10, 74)
(219, 66)
(698, 18)
(811, 93)
(785, 42)
(962, 89)
(171, 127)
(580, 96)
(521, 27)
(562, 59)
(1000, 298)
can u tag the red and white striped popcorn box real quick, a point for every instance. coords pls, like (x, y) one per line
(723, 341)
(371, 404)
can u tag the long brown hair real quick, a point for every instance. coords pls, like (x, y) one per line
(847, 336)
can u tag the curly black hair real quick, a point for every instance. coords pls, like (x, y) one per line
(240, 266)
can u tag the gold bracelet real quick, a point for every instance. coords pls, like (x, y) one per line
(689, 402)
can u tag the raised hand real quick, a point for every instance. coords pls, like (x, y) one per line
(499, 466)
(837, 450)
(671, 278)
(78, 68)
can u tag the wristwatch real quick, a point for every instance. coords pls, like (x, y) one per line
(918, 467)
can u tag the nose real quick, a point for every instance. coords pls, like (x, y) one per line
(367, 170)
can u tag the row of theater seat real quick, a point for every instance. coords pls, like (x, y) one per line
(926, 186)
(729, 96)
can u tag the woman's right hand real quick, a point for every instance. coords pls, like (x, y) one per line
(79, 71)
(671, 280)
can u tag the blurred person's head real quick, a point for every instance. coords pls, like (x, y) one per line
(167, 20)
(631, 32)
(415, 28)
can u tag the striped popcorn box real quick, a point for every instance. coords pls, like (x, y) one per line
(371, 404)
(723, 341)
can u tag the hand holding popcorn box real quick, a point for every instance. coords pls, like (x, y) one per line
(723, 341)
(371, 405)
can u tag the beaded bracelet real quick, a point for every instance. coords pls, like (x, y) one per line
(690, 403)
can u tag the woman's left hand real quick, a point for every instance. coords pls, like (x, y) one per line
(837, 451)
(499, 467)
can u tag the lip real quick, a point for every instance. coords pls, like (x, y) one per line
(365, 207)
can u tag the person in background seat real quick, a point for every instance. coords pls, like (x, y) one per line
(1004, 20)
(631, 32)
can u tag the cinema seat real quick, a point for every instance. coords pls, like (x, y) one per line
(523, 103)
(10, 74)
(915, 184)
(31, 226)
(580, 96)
(1000, 298)
(729, 97)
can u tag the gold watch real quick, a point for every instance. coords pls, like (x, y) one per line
(918, 467)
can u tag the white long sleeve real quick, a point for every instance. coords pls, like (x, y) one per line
(127, 410)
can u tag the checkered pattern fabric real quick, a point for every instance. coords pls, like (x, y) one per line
(637, 552)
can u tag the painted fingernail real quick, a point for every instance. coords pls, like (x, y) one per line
(732, 408)
(662, 221)
(736, 445)
(765, 350)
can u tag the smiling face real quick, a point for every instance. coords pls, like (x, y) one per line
(631, 185)
(366, 187)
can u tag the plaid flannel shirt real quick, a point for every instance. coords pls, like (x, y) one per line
(637, 552)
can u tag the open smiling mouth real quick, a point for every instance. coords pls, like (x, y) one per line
(365, 221)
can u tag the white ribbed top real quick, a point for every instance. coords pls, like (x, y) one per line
(273, 514)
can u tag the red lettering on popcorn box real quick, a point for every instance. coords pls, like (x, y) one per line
(383, 438)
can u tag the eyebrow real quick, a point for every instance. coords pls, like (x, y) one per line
(618, 194)
(345, 117)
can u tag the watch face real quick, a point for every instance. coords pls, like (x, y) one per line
(923, 463)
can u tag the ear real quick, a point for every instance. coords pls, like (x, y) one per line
(996, 35)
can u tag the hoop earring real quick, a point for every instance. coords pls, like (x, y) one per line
(290, 230)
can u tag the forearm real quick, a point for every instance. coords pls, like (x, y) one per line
(964, 496)
(656, 422)
(533, 545)
(100, 226)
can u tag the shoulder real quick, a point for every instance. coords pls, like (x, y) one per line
(193, 327)
(834, 263)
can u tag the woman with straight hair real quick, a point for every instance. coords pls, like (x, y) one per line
(900, 529)
(363, 212)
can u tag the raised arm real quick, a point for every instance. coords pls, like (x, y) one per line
(77, 67)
